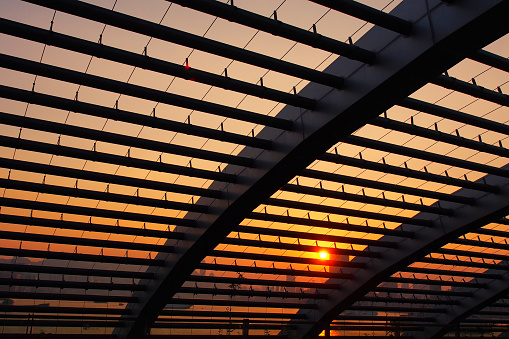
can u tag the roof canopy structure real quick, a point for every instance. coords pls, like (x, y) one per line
(291, 168)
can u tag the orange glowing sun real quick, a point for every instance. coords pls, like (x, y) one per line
(324, 255)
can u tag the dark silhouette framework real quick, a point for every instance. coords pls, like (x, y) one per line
(412, 252)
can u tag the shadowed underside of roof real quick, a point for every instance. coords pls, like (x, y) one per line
(288, 168)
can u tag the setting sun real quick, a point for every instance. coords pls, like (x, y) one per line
(182, 168)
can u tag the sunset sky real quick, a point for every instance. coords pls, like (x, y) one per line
(136, 214)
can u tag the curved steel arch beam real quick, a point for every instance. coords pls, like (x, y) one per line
(488, 208)
(403, 65)
(483, 297)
